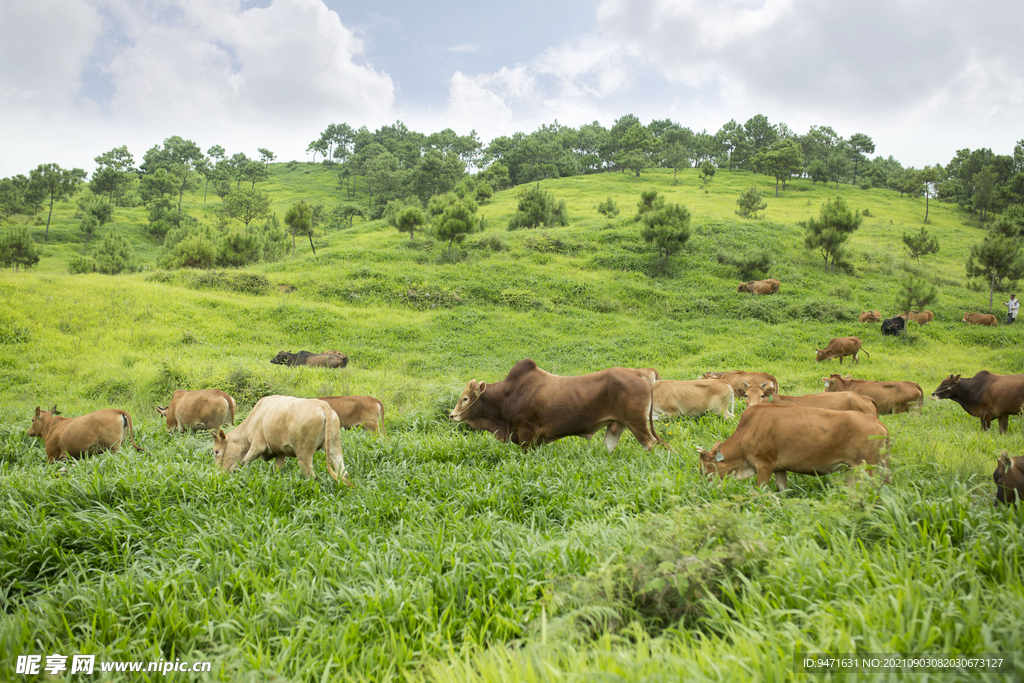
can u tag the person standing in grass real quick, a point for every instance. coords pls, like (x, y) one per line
(1011, 309)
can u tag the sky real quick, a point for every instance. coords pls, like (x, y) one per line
(80, 77)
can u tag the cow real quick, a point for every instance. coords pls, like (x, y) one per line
(837, 400)
(981, 319)
(841, 347)
(772, 439)
(919, 317)
(1009, 479)
(985, 396)
(693, 398)
(198, 410)
(759, 287)
(331, 359)
(870, 317)
(893, 326)
(739, 379)
(531, 407)
(358, 411)
(280, 426)
(889, 397)
(89, 434)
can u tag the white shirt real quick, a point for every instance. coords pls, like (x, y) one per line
(1014, 304)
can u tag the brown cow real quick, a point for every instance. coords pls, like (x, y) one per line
(739, 379)
(693, 398)
(280, 426)
(840, 347)
(981, 319)
(331, 359)
(779, 439)
(985, 396)
(920, 318)
(890, 397)
(759, 287)
(1009, 479)
(199, 410)
(837, 400)
(870, 317)
(88, 434)
(358, 411)
(531, 406)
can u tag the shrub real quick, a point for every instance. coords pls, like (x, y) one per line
(17, 249)
(80, 265)
(750, 202)
(608, 208)
(751, 265)
(537, 207)
(115, 255)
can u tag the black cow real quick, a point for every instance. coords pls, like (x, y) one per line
(893, 326)
(331, 359)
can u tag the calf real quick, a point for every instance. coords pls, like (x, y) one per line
(919, 317)
(331, 359)
(1009, 479)
(870, 317)
(981, 319)
(89, 434)
(775, 440)
(892, 327)
(759, 287)
(358, 411)
(198, 410)
(840, 347)
(740, 379)
(985, 396)
(837, 400)
(693, 398)
(890, 397)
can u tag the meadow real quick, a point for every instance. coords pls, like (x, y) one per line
(455, 557)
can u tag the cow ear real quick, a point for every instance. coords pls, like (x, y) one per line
(54, 410)
(162, 411)
(704, 455)
(480, 388)
(847, 377)
(220, 435)
(957, 378)
(38, 411)
(1005, 462)
(746, 385)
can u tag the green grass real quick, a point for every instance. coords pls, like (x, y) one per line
(455, 557)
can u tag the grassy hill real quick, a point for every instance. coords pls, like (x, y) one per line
(455, 557)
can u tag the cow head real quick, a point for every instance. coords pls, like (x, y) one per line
(40, 420)
(470, 395)
(282, 358)
(339, 354)
(711, 460)
(1009, 479)
(947, 387)
(162, 411)
(225, 453)
(745, 286)
(820, 355)
(756, 394)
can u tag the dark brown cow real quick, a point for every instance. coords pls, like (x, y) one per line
(985, 396)
(779, 439)
(531, 406)
(1009, 479)
(199, 410)
(839, 348)
(739, 379)
(871, 317)
(331, 359)
(89, 434)
(919, 317)
(760, 287)
(890, 397)
(981, 319)
(837, 400)
(358, 411)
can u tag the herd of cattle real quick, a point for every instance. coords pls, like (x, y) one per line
(776, 434)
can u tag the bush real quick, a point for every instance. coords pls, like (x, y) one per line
(750, 202)
(608, 208)
(751, 265)
(80, 265)
(537, 207)
(115, 255)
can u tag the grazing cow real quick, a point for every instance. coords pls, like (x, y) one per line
(840, 347)
(889, 397)
(981, 319)
(893, 326)
(759, 287)
(331, 359)
(837, 400)
(870, 317)
(281, 426)
(1009, 479)
(531, 406)
(919, 317)
(358, 411)
(739, 379)
(779, 439)
(985, 396)
(89, 434)
(198, 410)
(693, 398)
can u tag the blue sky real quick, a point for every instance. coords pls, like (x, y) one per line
(79, 77)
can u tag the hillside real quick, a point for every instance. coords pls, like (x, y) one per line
(455, 557)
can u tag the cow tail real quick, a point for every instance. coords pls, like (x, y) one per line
(231, 410)
(380, 421)
(732, 402)
(865, 352)
(127, 419)
(650, 413)
(327, 442)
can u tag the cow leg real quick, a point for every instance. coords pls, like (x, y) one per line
(781, 480)
(1004, 423)
(279, 462)
(612, 435)
(306, 462)
(985, 423)
(763, 475)
(855, 358)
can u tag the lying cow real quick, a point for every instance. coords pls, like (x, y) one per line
(981, 319)
(837, 400)
(103, 430)
(531, 406)
(985, 396)
(841, 347)
(919, 317)
(890, 397)
(772, 439)
(358, 411)
(892, 327)
(870, 317)
(198, 410)
(1009, 479)
(331, 359)
(759, 287)
(281, 426)
(740, 379)
(693, 398)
